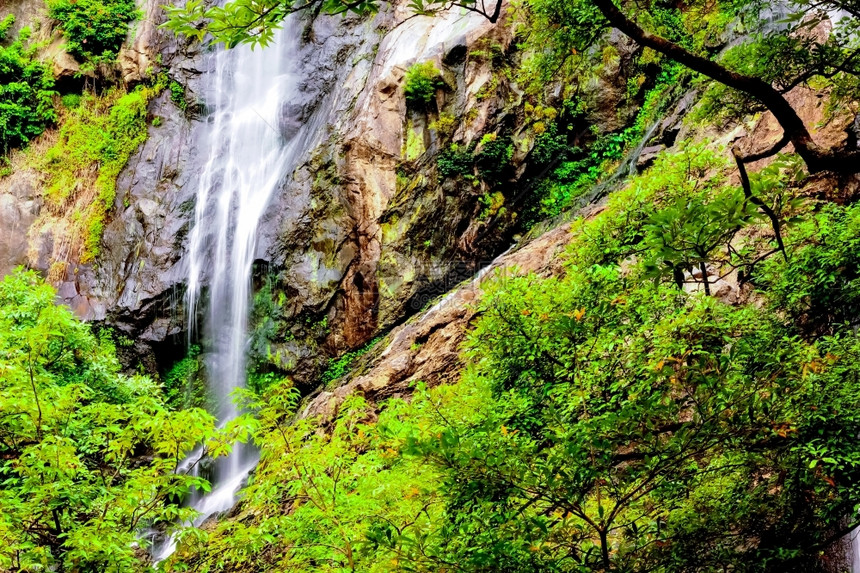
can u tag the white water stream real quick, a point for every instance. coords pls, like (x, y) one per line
(250, 152)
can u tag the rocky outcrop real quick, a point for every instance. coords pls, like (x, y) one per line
(428, 347)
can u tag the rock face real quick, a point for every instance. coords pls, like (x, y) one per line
(428, 347)
(365, 231)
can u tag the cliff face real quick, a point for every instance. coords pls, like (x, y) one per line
(361, 235)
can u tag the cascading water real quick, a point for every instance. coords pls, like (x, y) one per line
(251, 151)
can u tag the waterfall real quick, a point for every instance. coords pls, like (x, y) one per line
(251, 150)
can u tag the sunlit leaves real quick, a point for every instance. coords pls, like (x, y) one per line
(87, 454)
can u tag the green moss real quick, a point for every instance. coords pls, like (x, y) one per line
(95, 143)
(414, 146)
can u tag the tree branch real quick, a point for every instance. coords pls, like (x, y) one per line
(817, 159)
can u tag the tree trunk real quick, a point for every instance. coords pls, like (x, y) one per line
(704, 268)
(774, 219)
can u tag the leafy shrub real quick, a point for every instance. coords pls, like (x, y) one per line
(685, 234)
(26, 92)
(819, 287)
(456, 160)
(421, 83)
(445, 125)
(177, 95)
(87, 455)
(94, 29)
(494, 160)
(179, 387)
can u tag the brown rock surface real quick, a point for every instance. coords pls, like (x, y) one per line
(427, 348)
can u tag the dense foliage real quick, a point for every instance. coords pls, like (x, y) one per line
(94, 29)
(26, 91)
(622, 416)
(608, 421)
(87, 454)
(421, 82)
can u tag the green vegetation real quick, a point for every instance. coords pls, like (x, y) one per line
(607, 421)
(177, 95)
(338, 367)
(86, 454)
(421, 82)
(768, 63)
(26, 91)
(94, 29)
(683, 396)
(456, 160)
(488, 160)
(574, 171)
(183, 385)
(97, 138)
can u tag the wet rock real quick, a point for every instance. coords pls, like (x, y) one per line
(20, 203)
(649, 155)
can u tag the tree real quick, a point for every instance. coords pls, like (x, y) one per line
(793, 55)
(88, 456)
(683, 236)
(637, 428)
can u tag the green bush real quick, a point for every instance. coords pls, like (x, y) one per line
(71, 101)
(177, 95)
(456, 160)
(94, 29)
(421, 83)
(494, 160)
(87, 455)
(26, 92)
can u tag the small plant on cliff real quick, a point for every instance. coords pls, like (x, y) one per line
(26, 91)
(456, 160)
(177, 95)
(94, 29)
(337, 367)
(421, 83)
